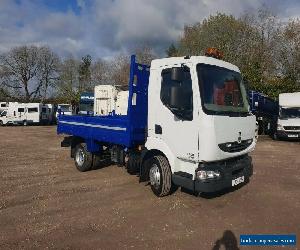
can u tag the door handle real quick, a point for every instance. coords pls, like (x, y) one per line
(158, 129)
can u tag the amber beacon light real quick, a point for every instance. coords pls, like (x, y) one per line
(214, 52)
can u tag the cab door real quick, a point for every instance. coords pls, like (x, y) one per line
(178, 129)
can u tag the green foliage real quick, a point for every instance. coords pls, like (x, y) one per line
(85, 74)
(274, 88)
(172, 51)
(263, 48)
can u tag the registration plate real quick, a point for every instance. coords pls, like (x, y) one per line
(293, 135)
(238, 180)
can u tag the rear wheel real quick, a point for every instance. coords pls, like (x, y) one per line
(160, 176)
(83, 158)
(25, 123)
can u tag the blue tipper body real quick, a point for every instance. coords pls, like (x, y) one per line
(262, 104)
(126, 130)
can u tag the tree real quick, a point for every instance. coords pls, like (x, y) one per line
(118, 70)
(99, 73)
(28, 71)
(172, 51)
(119, 67)
(85, 74)
(19, 67)
(265, 49)
(289, 57)
(47, 73)
(144, 54)
(67, 85)
(4, 95)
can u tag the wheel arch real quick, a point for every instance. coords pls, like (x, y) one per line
(74, 142)
(144, 167)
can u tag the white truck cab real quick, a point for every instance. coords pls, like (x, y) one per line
(288, 124)
(200, 120)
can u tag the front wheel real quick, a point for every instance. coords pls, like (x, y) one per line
(25, 123)
(1, 123)
(83, 158)
(275, 136)
(160, 176)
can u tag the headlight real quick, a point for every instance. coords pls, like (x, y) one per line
(208, 174)
(280, 127)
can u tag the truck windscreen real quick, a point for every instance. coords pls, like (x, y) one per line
(222, 90)
(65, 108)
(86, 106)
(289, 113)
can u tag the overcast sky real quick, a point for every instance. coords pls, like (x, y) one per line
(104, 28)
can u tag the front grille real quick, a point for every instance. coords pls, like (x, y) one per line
(291, 127)
(233, 147)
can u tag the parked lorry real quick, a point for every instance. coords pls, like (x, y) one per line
(86, 104)
(187, 124)
(288, 123)
(109, 98)
(25, 114)
(104, 100)
(266, 111)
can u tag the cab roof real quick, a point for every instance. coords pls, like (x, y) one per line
(173, 61)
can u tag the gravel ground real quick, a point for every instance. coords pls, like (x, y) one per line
(46, 203)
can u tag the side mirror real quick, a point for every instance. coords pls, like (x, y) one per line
(180, 99)
(246, 84)
(177, 74)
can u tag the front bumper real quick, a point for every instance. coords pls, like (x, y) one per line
(229, 169)
(288, 134)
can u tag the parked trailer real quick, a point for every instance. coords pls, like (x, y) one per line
(178, 131)
(266, 111)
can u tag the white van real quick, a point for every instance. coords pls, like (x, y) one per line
(64, 109)
(288, 124)
(25, 113)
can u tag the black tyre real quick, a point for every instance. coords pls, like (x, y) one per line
(25, 123)
(133, 164)
(160, 176)
(83, 158)
(1, 123)
(260, 128)
(275, 136)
